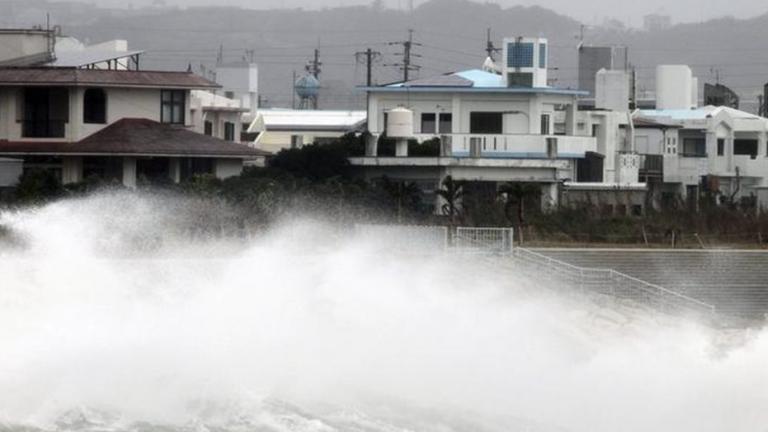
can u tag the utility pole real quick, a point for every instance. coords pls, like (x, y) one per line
(220, 55)
(369, 57)
(407, 64)
(489, 48)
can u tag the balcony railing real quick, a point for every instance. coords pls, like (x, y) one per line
(43, 129)
(515, 146)
(652, 165)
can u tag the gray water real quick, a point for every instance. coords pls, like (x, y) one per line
(113, 319)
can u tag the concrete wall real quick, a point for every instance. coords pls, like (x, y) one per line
(228, 167)
(23, 43)
(10, 171)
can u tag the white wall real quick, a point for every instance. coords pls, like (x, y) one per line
(22, 44)
(121, 103)
(228, 167)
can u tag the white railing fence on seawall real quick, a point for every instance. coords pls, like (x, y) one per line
(616, 284)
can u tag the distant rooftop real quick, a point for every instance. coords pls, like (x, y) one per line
(307, 120)
(473, 80)
(103, 78)
(700, 113)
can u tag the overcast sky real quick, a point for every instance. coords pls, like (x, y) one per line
(589, 11)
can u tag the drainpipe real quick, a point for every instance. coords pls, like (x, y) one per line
(630, 115)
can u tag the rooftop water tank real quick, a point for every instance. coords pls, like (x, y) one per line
(400, 123)
(307, 86)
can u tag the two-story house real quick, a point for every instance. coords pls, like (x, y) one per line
(87, 113)
(495, 126)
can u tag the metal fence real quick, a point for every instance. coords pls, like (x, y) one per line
(484, 240)
(616, 284)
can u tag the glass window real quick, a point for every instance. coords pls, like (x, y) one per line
(694, 147)
(720, 147)
(173, 106)
(95, 106)
(229, 131)
(745, 147)
(428, 123)
(485, 122)
(208, 128)
(520, 54)
(542, 56)
(446, 123)
(545, 124)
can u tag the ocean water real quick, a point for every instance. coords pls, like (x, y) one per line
(116, 315)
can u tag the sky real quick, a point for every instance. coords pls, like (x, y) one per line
(630, 12)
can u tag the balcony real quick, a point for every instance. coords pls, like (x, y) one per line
(510, 146)
(651, 166)
(43, 129)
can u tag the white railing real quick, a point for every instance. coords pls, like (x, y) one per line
(519, 146)
(484, 240)
(405, 238)
(617, 284)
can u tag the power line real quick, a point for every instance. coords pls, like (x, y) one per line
(368, 56)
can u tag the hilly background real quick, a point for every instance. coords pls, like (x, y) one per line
(452, 34)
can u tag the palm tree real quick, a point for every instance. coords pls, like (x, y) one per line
(451, 192)
(403, 193)
(516, 193)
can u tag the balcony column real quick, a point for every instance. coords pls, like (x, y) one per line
(129, 172)
(71, 169)
(371, 145)
(711, 144)
(570, 119)
(761, 144)
(456, 115)
(729, 150)
(174, 170)
(549, 196)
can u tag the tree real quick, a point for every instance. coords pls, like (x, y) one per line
(405, 195)
(515, 194)
(451, 192)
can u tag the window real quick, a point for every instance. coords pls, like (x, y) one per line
(545, 124)
(595, 130)
(519, 80)
(694, 147)
(542, 56)
(208, 128)
(446, 123)
(485, 122)
(95, 106)
(720, 147)
(172, 106)
(746, 147)
(519, 54)
(428, 123)
(45, 112)
(229, 131)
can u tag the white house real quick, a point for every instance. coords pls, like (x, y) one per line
(717, 149)
(494, 127)
(103, 116)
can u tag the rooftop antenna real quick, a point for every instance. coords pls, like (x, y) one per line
(220, 55)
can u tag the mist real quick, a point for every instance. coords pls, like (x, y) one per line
(307, 327)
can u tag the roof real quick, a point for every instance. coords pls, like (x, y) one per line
(307, 120)
(103, 78)
(700, 113)
(130, 136)
(654, 123)
(88, 57)
(470, 81)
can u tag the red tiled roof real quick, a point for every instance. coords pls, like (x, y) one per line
(103, 78)
(138, 137)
